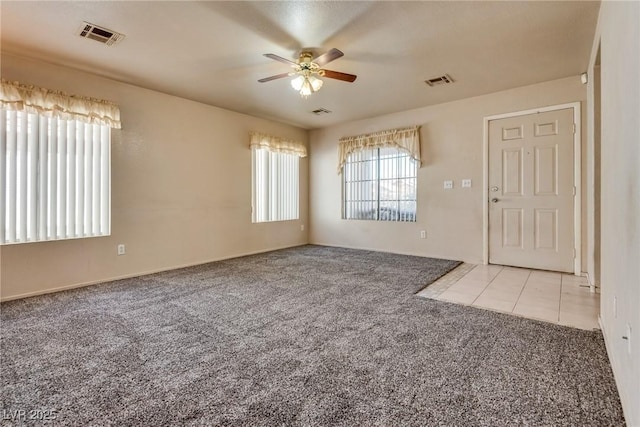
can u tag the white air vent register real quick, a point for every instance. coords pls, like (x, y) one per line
(100, 34)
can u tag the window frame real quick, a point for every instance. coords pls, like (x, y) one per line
(283, 202)
(377, 157)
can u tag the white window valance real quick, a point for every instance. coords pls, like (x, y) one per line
(49, 103)
(278, 145)
(407, 139)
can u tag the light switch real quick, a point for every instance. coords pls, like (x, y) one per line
(448, 185)
(466, 183)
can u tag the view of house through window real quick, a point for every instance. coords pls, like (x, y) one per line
(380, 184)
(275, 185)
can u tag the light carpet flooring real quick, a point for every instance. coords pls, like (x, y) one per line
(558, 298)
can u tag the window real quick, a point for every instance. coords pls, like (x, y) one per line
(56, 178)
(55, 164)
(275, 178)
(380, 184)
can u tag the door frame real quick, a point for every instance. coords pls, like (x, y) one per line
(577, 178)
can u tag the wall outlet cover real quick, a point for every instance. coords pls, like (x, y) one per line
(448, 185)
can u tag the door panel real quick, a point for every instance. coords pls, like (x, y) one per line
(531, 191)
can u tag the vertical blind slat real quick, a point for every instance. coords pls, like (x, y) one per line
(105, 180)
(3, 169)
(32, 184)
(62, 181)
(71, 179)
(95, 179)
(88, 179)
(22, 174)
(43, 173)
(11, 176)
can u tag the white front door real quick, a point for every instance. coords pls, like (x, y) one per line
(531, 191)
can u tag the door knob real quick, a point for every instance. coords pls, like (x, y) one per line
(494, 189)
(494, 200)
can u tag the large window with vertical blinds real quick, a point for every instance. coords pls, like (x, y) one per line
(380, 175)
(275, 178)
(55, 173)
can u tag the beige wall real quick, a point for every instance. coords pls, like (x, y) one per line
(452, 148)
(181, 189)
(618, 36)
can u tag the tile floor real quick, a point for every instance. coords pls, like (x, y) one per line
(559, 298)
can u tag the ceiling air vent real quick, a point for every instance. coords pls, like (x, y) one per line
(99, 34)
(321, 111)
(446, 79)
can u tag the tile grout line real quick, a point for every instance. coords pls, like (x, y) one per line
(560, 299)
(487, 285)
(521, 291)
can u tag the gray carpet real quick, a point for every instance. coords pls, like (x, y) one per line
(311, 336)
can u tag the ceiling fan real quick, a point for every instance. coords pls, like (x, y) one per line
(308, 69)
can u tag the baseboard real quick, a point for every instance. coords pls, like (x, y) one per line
(139, 274)
(592, 285)
(625, 400)
(364, 248)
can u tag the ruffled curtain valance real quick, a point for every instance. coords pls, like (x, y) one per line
(33, 99)
(273, 143)
(407, 139)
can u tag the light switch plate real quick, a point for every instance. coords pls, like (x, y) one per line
(448, 185)
(466, 183)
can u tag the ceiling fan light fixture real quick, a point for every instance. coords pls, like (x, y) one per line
(307, 70)
(316, 83)
(306, 85)
(296, 83)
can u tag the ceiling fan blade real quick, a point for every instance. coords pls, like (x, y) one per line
(340, 76)
(277, 76)
(325, 58)
(281, 59)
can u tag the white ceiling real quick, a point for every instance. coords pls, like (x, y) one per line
(212, 51)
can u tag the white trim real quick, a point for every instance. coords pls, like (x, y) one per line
(577, 174)
(625, 399)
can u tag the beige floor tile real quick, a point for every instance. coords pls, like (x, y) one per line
(457, 297)
(543, 295)
(546, 277)
(579, 321)
(540, 301)
(503, 294)
(486, 275)
(572, 279)
(536, 311)
(494, 304)
(515, 271)
(469, 286)
(543, 286)
(579, 295)
(587, 312)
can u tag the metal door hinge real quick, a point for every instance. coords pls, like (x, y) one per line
(574, 128)
(574, 190)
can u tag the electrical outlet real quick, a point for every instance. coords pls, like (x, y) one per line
(466, 183)
(448, 185)
(301, 227)
(122, 249)
(423, 234)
